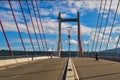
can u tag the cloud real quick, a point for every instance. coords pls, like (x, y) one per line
(50, 49)
(52, 43)
(86, 42)
(3, 48)
(67, 6)
(64, 15)
(72, 41)
(10, 26)
(86, 5)
(113, 43)
(116, 29)
(85, 30)
(45, 12)
(6, 16)
(51, 25)
(15, 5)
(49, 12)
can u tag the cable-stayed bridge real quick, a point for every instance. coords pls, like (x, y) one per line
(39, 63)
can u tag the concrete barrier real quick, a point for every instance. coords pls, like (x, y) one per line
(21, 60)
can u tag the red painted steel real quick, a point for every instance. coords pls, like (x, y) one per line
(33, 25)
(79, 35)
(17, 27)
(38, 25)
(6, 39)
(26, 26)
(41, 25)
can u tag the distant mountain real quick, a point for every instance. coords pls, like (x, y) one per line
(112, 50)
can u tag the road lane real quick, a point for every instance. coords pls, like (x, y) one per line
(48, 69)
(90, 69)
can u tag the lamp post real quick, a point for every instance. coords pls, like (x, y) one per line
(88, 49)
(69, 37)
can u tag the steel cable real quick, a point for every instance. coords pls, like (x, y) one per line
(37, 24)
(8, 44)
(42, 26)
(33, 24)
(100, 25)
(112, 25)
(27, 26)
(17, 27)
(105, 25)
(96, 26)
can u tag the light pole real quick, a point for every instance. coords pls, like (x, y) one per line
(69, 37)
(88, 49)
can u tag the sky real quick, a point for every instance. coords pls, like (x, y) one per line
(49, 10)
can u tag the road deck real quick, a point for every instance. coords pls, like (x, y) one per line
(48, 69)
(90, 69)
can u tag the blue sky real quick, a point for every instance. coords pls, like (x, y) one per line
(49, 13)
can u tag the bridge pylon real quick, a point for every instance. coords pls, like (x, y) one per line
(60, 20)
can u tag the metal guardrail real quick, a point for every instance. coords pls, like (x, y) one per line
(22, 56)
(63, 77)
(10, 57)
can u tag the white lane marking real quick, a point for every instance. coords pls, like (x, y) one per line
(3, 68)
(15, 76)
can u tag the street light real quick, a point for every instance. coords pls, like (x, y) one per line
(69, 36)
(69, 29)
(87, 48)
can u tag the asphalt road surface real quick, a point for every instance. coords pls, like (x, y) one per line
(90, 69)
(48, 69)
